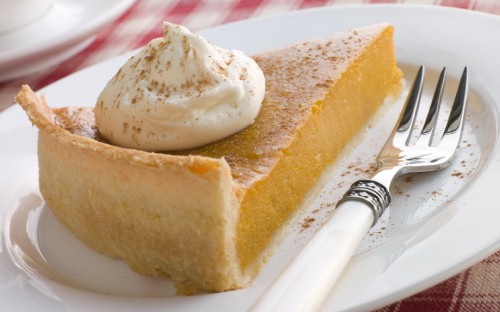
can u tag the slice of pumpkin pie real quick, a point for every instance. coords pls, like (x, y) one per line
(208, 217)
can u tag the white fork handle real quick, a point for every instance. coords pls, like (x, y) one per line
(308, 279)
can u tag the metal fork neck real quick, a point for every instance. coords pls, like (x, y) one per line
(385, 175)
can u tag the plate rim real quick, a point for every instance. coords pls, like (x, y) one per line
(114, 9)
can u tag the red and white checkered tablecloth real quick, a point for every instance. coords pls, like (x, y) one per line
(476, 289)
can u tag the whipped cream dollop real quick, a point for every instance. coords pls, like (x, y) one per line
(180, 92)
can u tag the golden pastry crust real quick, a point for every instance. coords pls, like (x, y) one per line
(209, 217)
(114, 199)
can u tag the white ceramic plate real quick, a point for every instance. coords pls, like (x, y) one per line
(439, 223)
(66, 28)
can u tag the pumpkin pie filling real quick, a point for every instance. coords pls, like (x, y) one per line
(320, 93)
(209, 217)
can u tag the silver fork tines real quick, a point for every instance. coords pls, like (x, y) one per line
(399, 155)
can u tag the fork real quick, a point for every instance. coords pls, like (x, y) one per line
(308, 279)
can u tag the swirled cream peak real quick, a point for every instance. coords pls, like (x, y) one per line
(180, 92)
